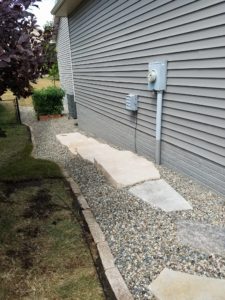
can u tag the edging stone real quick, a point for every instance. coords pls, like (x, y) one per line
(115, 281)
(31, 135)
(118, 285)
(74, 186)
(93, 226)
(82, 202)
(106, 256)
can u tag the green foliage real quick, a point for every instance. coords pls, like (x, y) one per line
(24, 48)
(7, 113)
(50, 53)
(54, 73)
(48, 101)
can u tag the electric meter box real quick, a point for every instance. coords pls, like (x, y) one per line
(157, 73)
(132, 102)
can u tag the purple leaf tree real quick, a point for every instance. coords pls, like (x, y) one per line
(22, 45)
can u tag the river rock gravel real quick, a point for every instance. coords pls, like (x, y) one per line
(142, 239)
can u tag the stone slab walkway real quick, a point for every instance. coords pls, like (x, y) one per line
(160, 194)
(172, 285)
(121, 168)
(204, 237)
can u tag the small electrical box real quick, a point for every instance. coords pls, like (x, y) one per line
(132, 102)
(157, 71)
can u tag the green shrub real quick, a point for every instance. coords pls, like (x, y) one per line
(54, 73)
(48, 101)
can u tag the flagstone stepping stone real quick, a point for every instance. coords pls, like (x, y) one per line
(124, 168)
(160, 194)
(173, 285)
(68, 139)
(205, 237)
(80, 144)
(121, 168)
(90, 150)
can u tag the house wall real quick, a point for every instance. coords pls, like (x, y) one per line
(64, 59)
(112, 43)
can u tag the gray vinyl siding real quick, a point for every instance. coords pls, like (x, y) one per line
(111, 45)
(64, 56)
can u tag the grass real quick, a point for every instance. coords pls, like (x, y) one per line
(16, 162)
(41, 83)
(7, 113)
(43, 253)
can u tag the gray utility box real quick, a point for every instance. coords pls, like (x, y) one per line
(157, 71)
(72, 109)
(132, 102)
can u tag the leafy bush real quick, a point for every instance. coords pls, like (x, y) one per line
(48, 101)
(54, 73)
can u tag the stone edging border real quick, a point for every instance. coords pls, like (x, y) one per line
(115, 281)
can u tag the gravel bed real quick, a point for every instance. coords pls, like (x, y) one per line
(142, 239)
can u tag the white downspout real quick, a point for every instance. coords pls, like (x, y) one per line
(158, 127)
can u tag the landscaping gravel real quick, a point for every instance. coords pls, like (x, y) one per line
(142, 239)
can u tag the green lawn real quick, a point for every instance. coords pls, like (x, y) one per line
(41, 83)
(7, 113)
(43, 253)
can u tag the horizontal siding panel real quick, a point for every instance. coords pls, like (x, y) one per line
(212, 63)
(160, 47)
(200, 82)
(129, 10)
(113, 115)
(200, 101)
(195, 150)
(217, 122)
(116, 111)
(138, 18)
(142, 90)
(184, 73)
(212, 175)
(196, 91)
(64, 56)
(188, 123)
(206, 83)
(208, 111)
(182, 34)
(183, 56)
(200, 135)
(164, 29)
(117, 102)
(145, 145)
(104, 13)
(100, 87)
(112, 43)
(189, 138)
(113, 132)
(91, 11)
(195, 73)
(199, 162)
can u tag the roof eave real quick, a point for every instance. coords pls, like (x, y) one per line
(63, 8)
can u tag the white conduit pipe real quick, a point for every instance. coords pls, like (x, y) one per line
(158, 127)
